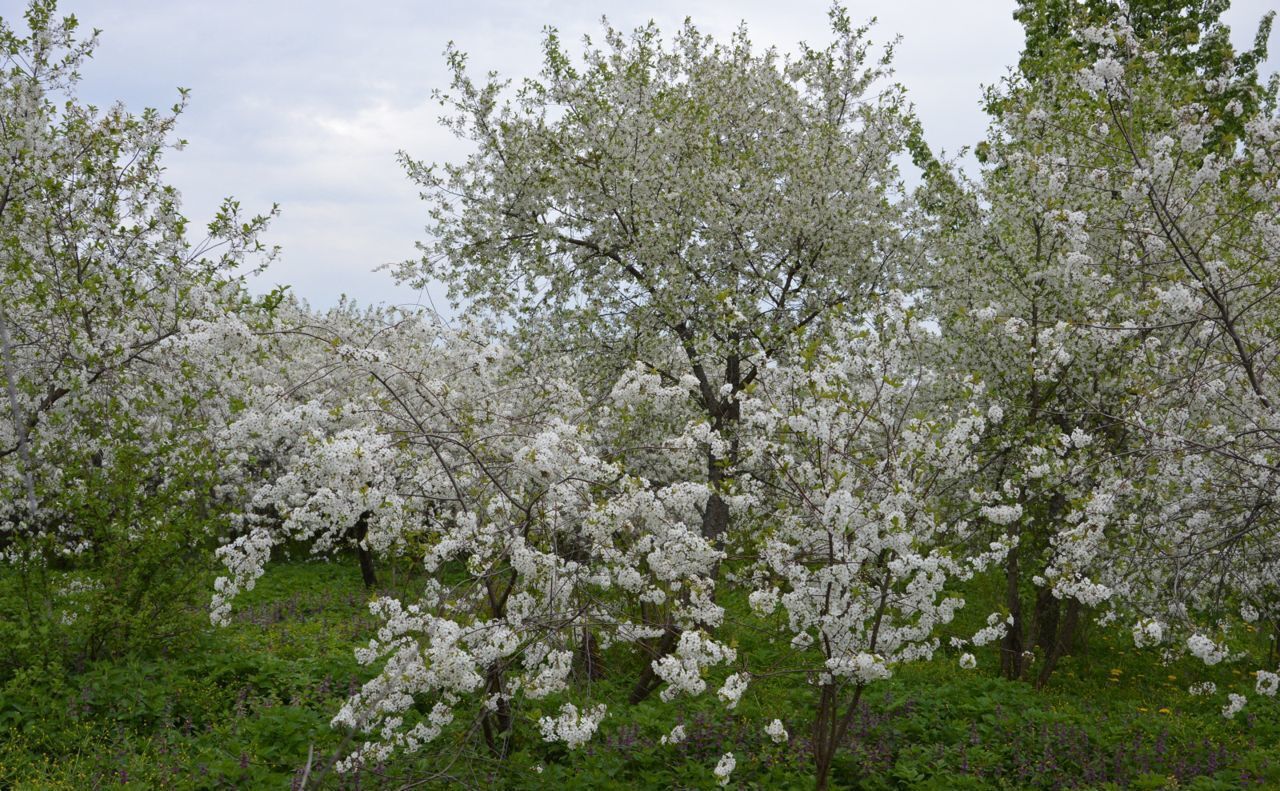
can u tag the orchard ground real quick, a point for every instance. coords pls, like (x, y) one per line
(248, 705)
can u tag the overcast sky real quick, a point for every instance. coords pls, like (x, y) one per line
(306, 103)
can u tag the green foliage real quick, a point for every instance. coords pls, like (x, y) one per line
(148, 562)
(234, 708)
(246, 705)
(1195, 45)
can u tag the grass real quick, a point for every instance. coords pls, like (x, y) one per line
(245, 706)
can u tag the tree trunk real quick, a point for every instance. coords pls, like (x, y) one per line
(589, 656)
(715, 520)
(1062, 642)
(1048, 608)
(829, 730)
(725, 413)
(1011, 647)
(1044, 621)
(649, 681)
(822, 752)
(360, 531)
(497, 724)
(20, 428)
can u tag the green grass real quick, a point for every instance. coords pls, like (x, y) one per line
(244, 706)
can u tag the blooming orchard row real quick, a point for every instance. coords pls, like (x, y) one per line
(723, 353)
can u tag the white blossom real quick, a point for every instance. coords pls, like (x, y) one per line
(724, 768)
(777, 732)
(1234, 704)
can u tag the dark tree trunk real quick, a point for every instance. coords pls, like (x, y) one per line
(1011, 647)
(497, 724)
(1062, 640)
(1044, 621)
(649, 680)
(725, 414)
(830, 728)
(1048, 608)
(359, 532)
(589, 656)
(715, 520)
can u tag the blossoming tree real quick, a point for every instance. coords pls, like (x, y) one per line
(687, 204)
